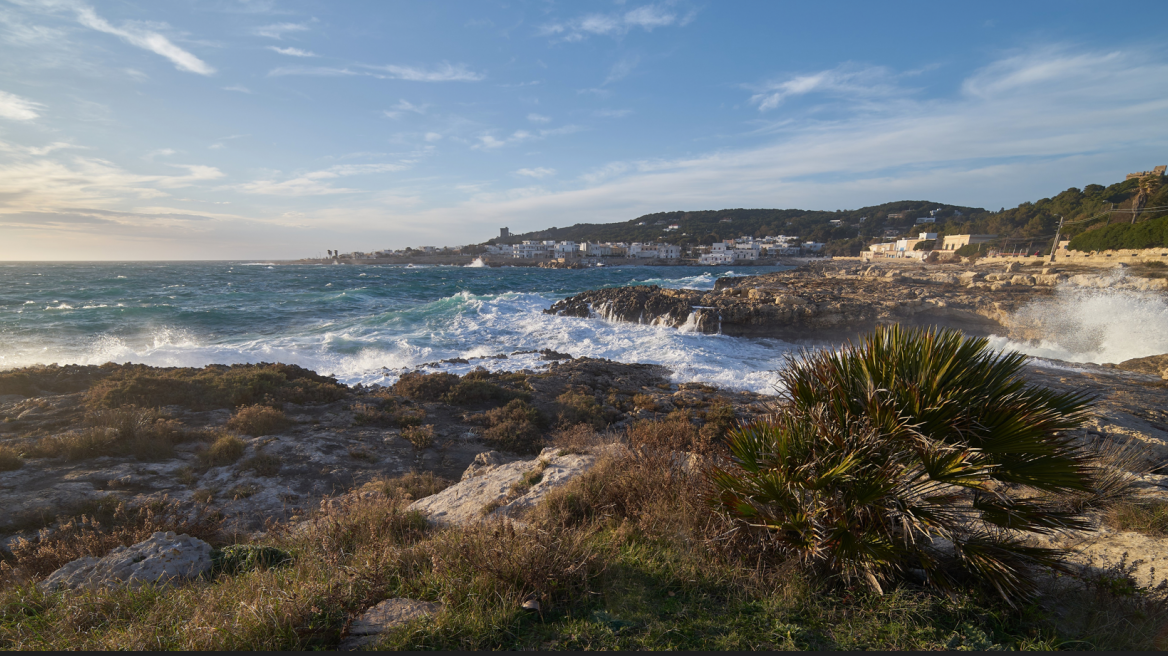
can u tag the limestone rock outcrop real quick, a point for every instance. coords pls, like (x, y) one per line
(163, 559)
(490, 490)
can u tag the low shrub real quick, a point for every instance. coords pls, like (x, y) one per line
(646, 402)
(909, 440)
(424, 387)
(719, 420)
(516, 427)
(470, 392)
(580, 407)
(387, 414)
(222, 452)
(213, 386)
(146, 434)
(258, 420)
(52, 379)
(422, 437)
(10, 459)
(240, 558)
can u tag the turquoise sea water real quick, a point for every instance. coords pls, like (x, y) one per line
(362, 324)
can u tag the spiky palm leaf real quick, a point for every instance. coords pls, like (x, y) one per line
(910, 439)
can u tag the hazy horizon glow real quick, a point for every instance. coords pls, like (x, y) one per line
(223, 129)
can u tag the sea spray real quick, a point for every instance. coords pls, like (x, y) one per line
(1082, 324)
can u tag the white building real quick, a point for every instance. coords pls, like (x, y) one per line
(813, 246)
(565, 249)
(531, 250)
(668, 251)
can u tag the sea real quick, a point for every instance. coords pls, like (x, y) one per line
(369, 324)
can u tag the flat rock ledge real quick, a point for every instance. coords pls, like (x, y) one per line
(389, 614)
(492, 489)
(163, 559)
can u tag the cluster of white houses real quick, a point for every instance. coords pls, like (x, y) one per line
(907, 247)
(724, 252)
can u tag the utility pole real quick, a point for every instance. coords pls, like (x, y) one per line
(1056, 237)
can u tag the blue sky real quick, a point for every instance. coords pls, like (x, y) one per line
(264, 129)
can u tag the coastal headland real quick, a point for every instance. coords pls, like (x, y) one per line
(272, 456)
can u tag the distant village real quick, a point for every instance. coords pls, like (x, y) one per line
(743, 250)
(730, 251)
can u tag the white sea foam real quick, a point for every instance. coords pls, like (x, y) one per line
(1093, 325)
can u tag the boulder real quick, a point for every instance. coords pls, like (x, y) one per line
(495, 491)
(386, 615)
(1013, 267)
(163, 559)
(1155, 365)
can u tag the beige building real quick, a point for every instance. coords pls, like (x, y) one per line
(953, 242)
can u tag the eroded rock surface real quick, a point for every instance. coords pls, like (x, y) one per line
(831, 301)
(491, 491)
(163, 559)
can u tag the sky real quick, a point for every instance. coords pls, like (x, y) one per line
(240, 129)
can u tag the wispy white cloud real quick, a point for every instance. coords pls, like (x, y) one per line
(443, 72)
(137, 35)
(539, 118)
(432, 137)
(621, 69)
(646, 17)
(490, 142)
(237, 87)
(403, 106)
(278, 30)
(612, 113)
(161, 152)
(292, 52)
(17, 108)
(317, 183)
(537, 173)
(320, 71)
(847, 80)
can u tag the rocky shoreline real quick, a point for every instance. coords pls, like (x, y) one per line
(828, 301)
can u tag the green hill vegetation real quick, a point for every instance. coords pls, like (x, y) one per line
(1029, 225)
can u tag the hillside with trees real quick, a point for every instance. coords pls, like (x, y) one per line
(1030, 226)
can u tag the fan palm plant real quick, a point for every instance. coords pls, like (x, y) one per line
(914, 449)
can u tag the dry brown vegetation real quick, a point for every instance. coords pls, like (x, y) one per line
(386, 412)
(108, 526)
(263, 464)
(422, 437)
(1148, 517)
(516, 427)
(223, 451)
(579, 406)
(10, 459)
(144, 433)
(258, 420)
(628, 556)
(213, 386)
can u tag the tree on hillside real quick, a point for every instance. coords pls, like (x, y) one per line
(1147, 186)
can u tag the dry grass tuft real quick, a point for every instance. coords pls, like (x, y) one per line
(410, 486)
(223, 451)
(258, 420)
(422, 437)
(10, 459)
(101, 532)
(1148, 517)
(386, 413)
